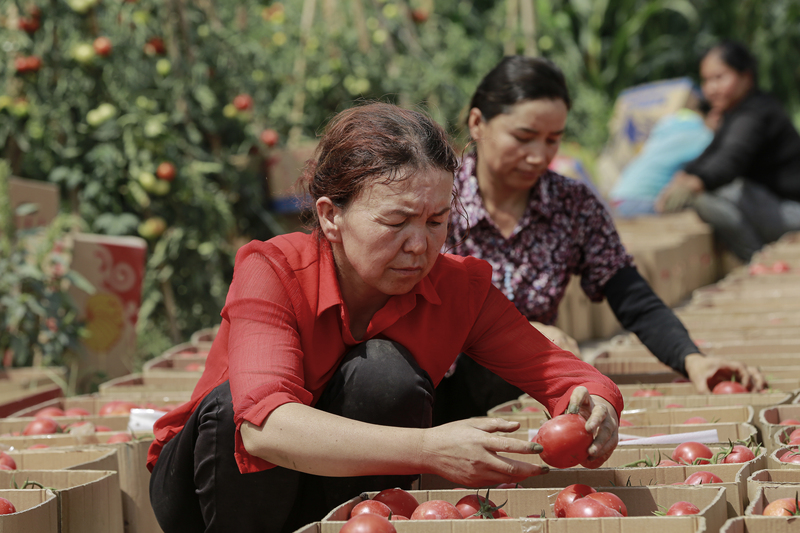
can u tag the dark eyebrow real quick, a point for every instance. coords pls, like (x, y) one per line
(528, 130)
(410, 213)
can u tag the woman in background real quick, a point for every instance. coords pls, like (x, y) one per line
(537, 228)
(746, 184)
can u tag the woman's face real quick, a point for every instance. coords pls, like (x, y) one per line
(390, 235)
(723, 86)
(515, 148)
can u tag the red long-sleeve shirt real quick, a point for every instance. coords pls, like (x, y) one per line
(285, 329)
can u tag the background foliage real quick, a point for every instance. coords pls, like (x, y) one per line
(100, 125)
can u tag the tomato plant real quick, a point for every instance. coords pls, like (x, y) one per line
(692, 453)
(565, 441)
(701, 478)
(588, 508)
(436, 510)
(6, 507)
(399, 501)
(610, 500)
(368, 523)
(568, 495)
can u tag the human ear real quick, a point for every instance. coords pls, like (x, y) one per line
(475, 123)
(329, 219)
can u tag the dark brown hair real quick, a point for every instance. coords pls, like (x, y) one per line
(376, 141)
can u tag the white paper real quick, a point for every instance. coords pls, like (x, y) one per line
(143, 419)
(709, 435)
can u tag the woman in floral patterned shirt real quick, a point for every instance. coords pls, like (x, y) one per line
(537, 228)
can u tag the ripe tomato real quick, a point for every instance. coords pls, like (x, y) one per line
(76, 411)
(121, 437)
(7, 460)
(49, 412)
(565, 441)
(399, 501)
(269, 137)
(673, 406)
(696, 420)
(37, 446)
(757, 269)
(793, 435)
(530, 409)
(166, 171)
(117, 408)
(436, 510)
(646, 393)
(155, 46)
(781, 266)
(102, 45)
(667, 462)
(791, 456)
(688, 452)
(6, 507)
(368, 523)
(729, 387)
(739, 454)
(101, 429)
(701, 478)
(588, 508)
(371, 507)
(682, 508)
(474, 504)
(790, 422)
(610, 500)
(781, 507)
(568, 495)
(42, 426)
(243, 102)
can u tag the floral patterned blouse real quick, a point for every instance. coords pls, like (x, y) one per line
(565, 230)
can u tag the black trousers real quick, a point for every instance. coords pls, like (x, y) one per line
(471, 391)
(196, 485)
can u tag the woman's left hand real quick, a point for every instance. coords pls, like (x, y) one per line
(678, 192)
(601, 421)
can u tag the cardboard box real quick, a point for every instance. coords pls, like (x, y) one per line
(136, 384)
(66, 459)
(94, 402)
(43, 195)
(115, 266)
(760, 524)
(774, 464)
(705, 400)
(88, 500)
(641, 502)
(734, 476)
(37, 510)
(769, 420)
(204, 338)
(739, 414)
(772, 478)
(765, 495)
(116, 422)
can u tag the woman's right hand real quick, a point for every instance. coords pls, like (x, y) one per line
(466, 452)
(558, 337)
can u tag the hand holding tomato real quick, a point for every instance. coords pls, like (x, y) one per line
(706, 371)
(601, 421)
(466, 452)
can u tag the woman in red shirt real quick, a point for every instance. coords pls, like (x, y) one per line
(319, 384)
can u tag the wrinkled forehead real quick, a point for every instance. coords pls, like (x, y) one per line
(420, 187)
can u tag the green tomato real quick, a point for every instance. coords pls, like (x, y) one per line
(153, 128)
(163, 66)
(230, 111)
(20, 108)
(81, 6)
(152, 228)
(94, 118)
(35, 129)
(161, 187)
(5, 101)
(141, 17)
(107, 111)
(83, 53)
(148, 181)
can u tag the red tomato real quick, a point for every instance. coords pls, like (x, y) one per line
(625, 423)
(474, 504)
(399, 517)
(790, 422)
(76, 411)
(757, 269)
(6, 507)
(166, 171)
(674, 406)
(121, 437)
(610, 500)
(688, 452)
(696, 420)
(728, 387)
(36, 447)
(740, 454)
(780, 267)
(371, 507)
(667, 462)
(102, 45)
(791, 456)
(7, 460)
(99, 429)
(682, 508)
(42, 426)
(530, 409)
(568, 495)
(269, 137)
(50, 412)
(793, 435)
(399, 501)
(781, 507)
(701, 478)
(368, 523)
(646, 393)
(117, 408)
(565, 441)
(588, 508)
(436, 510)
(243, 102)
